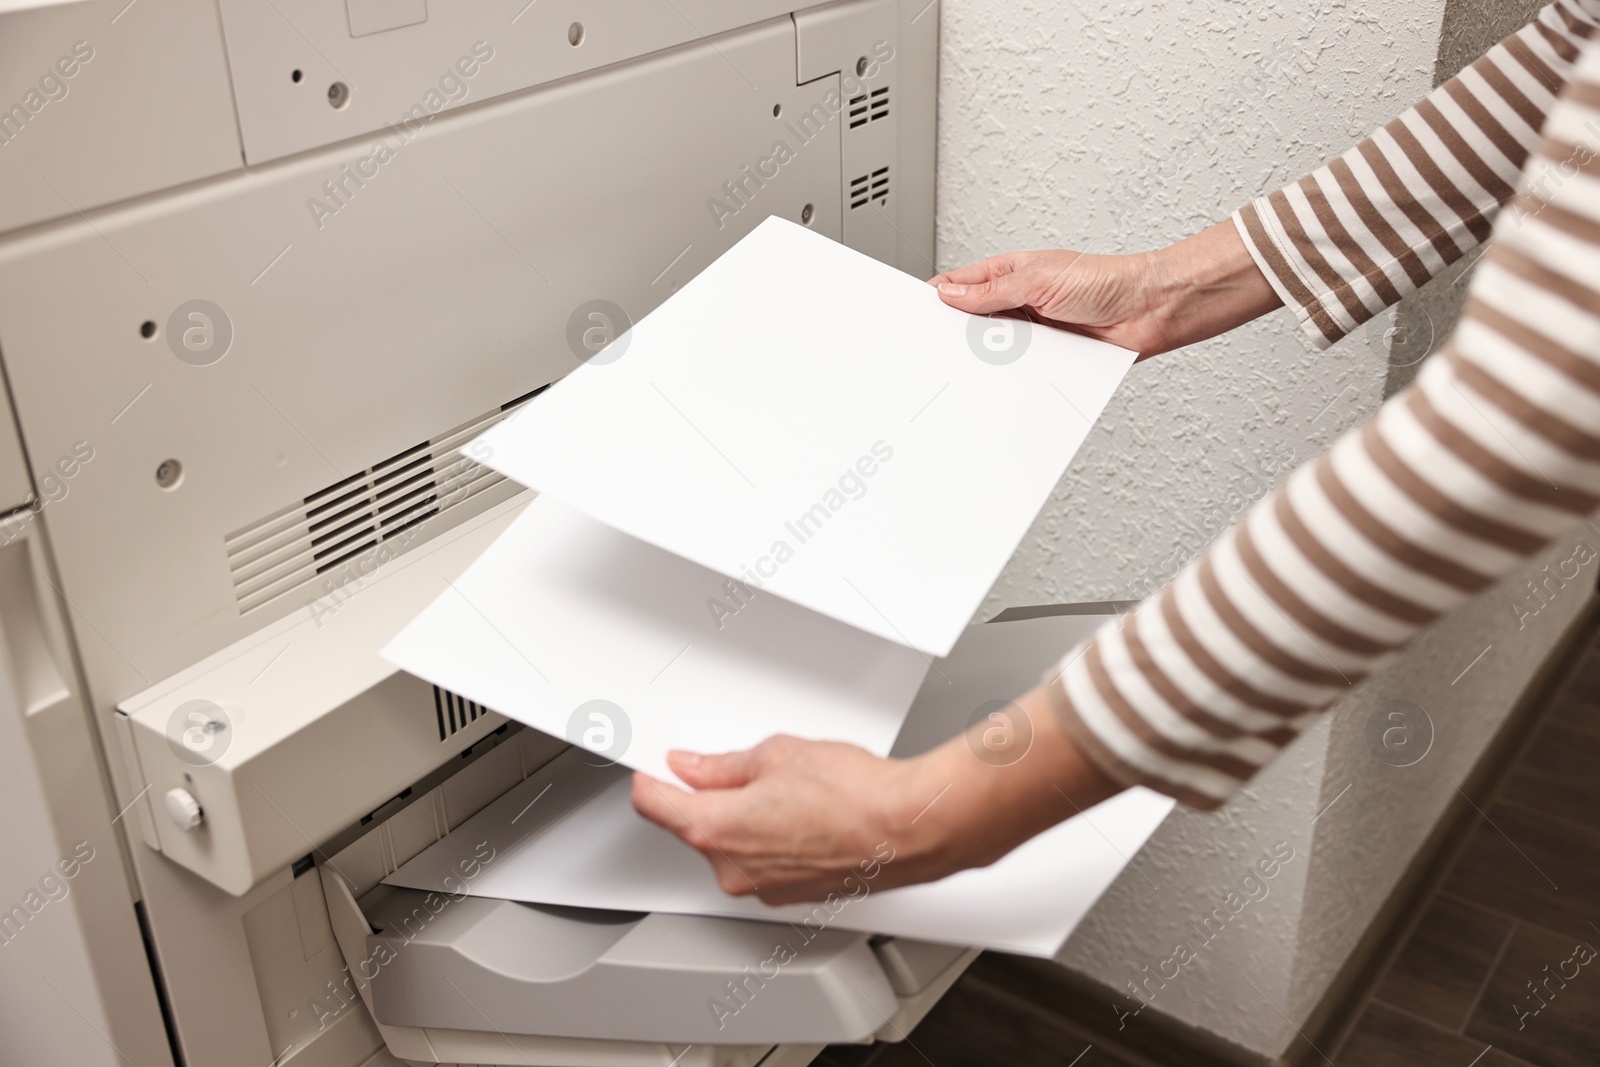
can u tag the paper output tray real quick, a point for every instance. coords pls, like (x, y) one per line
(530, 969)
(480, 980)
(462, 979)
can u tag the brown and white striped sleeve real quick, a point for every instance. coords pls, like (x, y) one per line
(1352, 238)
(1493, 451)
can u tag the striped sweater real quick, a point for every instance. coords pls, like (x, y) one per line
(1492, 452)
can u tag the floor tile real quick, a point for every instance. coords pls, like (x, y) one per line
(1579, 702)
(1557, 1022)
(1387, 1037)
(1444, 963)
(1533, 867)
(1557, 775)
(975, 1025)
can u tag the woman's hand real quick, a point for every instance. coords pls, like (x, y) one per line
(793, 820)
(790, 819)
(1151, 302)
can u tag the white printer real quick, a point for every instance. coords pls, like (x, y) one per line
(264, 267)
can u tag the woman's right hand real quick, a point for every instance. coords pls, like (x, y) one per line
(1151, 302)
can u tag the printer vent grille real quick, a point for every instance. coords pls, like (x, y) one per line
(454, 713)
(350, 522)
(869, 187)
(868, 107)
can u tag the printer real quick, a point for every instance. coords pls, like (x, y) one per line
(264, 268)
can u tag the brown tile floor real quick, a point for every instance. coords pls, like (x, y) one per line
(1505, 958)
(1500, 971)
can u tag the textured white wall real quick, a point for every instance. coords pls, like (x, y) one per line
(1131, 128)
(1387, 807)
(1121, 127)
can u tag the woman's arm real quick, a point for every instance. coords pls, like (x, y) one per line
(1353, 237)
(1493, 451)
(1339, 245)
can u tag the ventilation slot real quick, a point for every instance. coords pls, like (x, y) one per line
(454, 713)
(869, 187)
(343, 522)
(869, 107)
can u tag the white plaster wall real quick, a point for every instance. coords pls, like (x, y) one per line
(1188, 869)
(1124, 126)
(1120, 127)
(1384, 811)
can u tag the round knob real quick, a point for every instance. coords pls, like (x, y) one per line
(184, 809)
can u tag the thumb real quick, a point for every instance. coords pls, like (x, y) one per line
(984, 296)
(730, 770)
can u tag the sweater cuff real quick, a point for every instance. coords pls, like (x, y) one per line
(1277, 260)
(1101, 755)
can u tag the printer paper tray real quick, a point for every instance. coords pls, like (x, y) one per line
(478, 980)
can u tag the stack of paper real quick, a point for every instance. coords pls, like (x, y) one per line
(763, 509)
(568, 835)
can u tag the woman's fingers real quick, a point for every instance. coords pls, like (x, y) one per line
(729, 770)
(998, 292)
(1003, 283)
(669, 808)
(974, 273)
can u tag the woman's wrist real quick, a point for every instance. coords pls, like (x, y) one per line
(1205, 285)
(1006, 779)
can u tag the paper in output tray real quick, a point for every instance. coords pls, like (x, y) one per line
(569, 835)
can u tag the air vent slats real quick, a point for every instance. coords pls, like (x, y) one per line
(336, 526)
(281, 565)
(342, 522)
(325, 501)
(252, 558)
(407, 515)
(869, 187)
(333, 555)
(388, 470)
(402, 495)
(869, 107)
(396, 531)
(465, 474)
(287, 520)
(460, 492)
(454, 713)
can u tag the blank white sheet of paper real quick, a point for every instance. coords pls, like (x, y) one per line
(804, 415)
(568, 835)
(562, 612)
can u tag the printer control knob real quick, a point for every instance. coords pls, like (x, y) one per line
(184, 809)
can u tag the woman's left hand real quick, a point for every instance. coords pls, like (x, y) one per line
(792, 820)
